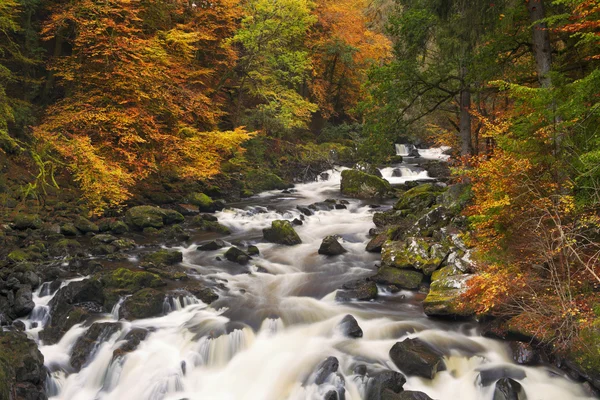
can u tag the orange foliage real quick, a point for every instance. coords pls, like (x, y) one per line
(138, 100)
(344, 48)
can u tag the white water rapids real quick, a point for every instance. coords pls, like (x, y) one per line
(279, 324)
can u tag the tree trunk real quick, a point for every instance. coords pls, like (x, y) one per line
(542, 50)
(466, 148)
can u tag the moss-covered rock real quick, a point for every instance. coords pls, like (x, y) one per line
(20, 255)
(206, 223)
(66, 247)
(27, 221)
(22, 371)
(146, 303)
(259, 180)
(444, 297)
(141, 217)
(362, 290)
(86, 226)
(400, 278)
(418, 198)
(457, 197)
(417, 253)
(131, 281)
(281, 232)
(363, 186)
(202, 201)
(253, 250)
(69, 229)
(164, 257)
(236, 255)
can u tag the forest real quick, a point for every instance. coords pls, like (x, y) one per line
(110, 104)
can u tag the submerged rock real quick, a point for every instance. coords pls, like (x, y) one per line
(331, 247)
(362, 290)
(363, 186)
(281, 232)
(415, 357)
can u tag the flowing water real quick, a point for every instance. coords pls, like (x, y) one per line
(277, 320)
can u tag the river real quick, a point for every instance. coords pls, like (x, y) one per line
(277, 320)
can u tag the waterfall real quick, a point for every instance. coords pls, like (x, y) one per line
(405, 150)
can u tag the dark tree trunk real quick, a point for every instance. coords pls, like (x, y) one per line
(466, 148)
(541, 41)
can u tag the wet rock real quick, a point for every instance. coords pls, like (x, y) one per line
(432, 222)
(524, 353)
(27, 221)
(385, 381)
(362, 290)
(508, 389)
(444, 297)
(363, 186)
(350, 328)
(323, 206)
(236, 255)
(404, 395)
(203, 202)
(72, 304)
(22, 371)
(209, 223)
(415, 357)
(297, 222)
(400, 278)
(141, 217)
(66, 247)
(368, 169)
(132, 339)
(375, 245)
(253, 250)
(86, 226)
(164, 257)
(86, 345)
(103, 238)
(437, 169)
(146, 303)
(212, 245)
(331, 395)
(281, 232)
(331, 247)
(260, 180)
(131, 280)
(23, 304)
(305, 210)
(488, 376)
(326, 368)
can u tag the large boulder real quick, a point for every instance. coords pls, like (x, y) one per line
(260, 180)
(281, 232)
(418, 253)
(400, 278)
(141, 217)
(444, 297)
(415, 357)
(22, 371)
(418, 198)
(362, 290)
(363, 186)
(331, 247)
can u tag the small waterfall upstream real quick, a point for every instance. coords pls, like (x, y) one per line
(275, 324)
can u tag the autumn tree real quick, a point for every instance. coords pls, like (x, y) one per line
(139, 94)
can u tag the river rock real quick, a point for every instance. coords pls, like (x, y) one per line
(350, 328)
(212, 245)
(23, 301)
(418, 198)
(281, 232)
(362, 290)
(400, 278)
(236, 255)
(444, 297)
(27, 221)
(253, 250)
(418, 253)
(364, 186)
(209, 223)
(368, 169)
(84, 225)
(141, 217)
(305, 210)
(22, 371)
(331, 247)
(383, 382)
(326, 368)
(146, 303)
(69, 229)
(376, 244)
(72, 304)
(524, 353)
(508, 389)
(132, 340)
(164, 257)
(404, 395)
(87, 344)
(415, 357)
(489, 376)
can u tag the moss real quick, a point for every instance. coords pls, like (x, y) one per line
(402, 278)
(363, 186)
(416, 253)
(259, 180)
(19, 256)
(69, 229)
(141, 217)
(164, 257)
(66, 247)
(145, 303)
(445, 297)
(201, 200)
(281, 232)
(132, 281)
(27, 221)
(209, 225)
(418, 198)
(85, 225)
(246, 193)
